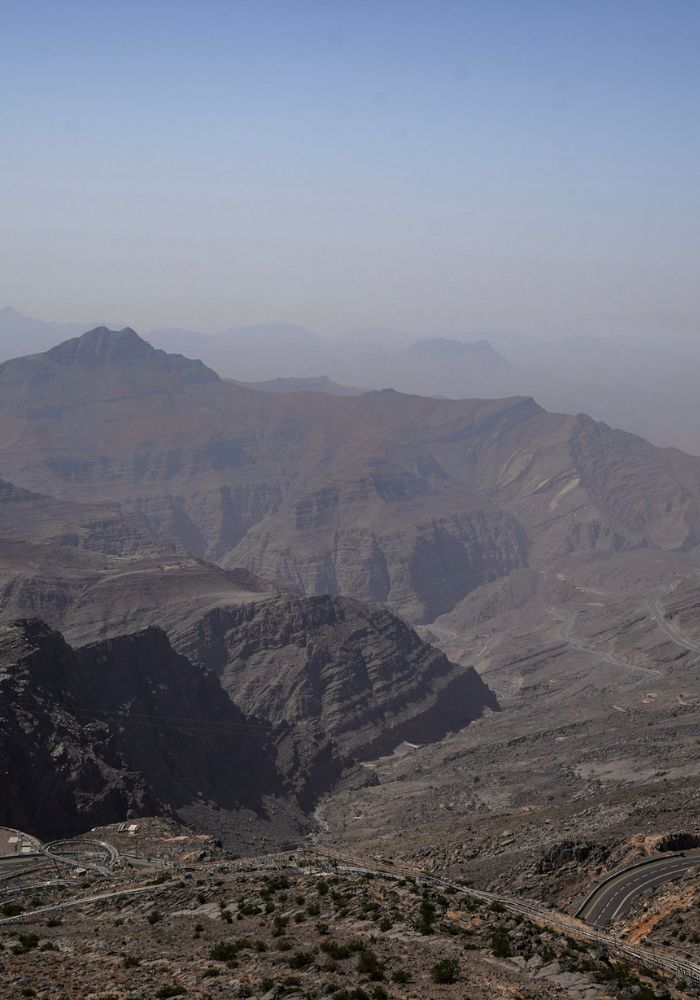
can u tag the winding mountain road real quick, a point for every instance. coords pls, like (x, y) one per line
(615, 896)
(564, 633)
(674, 634)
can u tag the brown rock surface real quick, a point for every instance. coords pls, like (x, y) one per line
(409, 500)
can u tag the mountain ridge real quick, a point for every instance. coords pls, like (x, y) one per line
(406, 500)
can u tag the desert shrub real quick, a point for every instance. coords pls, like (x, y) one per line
(224, 951)
(278, 925)
(369, 965)
(500, 943)
(426, 919)
(26, 943)
(300, 959)
(445, 971)
(335, 950)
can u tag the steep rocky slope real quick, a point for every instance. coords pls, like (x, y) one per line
(337, 679)
(94, 573)
(405, 500)
(332, 665)
(87, 735)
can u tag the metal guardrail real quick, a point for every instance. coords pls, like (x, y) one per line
(660, 959)
(650, 958)
(40, 911)
(622, 871)
(80, 854)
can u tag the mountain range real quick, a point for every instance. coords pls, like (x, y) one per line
(648, 391)
(300, 551)
(405, 500)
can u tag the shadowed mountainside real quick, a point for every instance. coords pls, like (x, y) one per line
(87, 735)
(336, 679)
(333, 665)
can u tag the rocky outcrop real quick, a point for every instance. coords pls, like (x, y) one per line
(87, 735)
(333, 667)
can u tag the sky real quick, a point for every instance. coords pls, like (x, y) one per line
(462, 168)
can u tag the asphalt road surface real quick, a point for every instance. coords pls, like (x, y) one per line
(15, 864)
(673, 633)
(614, 898)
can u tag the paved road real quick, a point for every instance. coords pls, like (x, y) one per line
(564, 634)
(16, 864)
(614, 897)
(652, 958)
(673, 633)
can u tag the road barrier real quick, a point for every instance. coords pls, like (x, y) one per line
(657, 959)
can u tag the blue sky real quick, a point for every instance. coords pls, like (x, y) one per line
(455, 167)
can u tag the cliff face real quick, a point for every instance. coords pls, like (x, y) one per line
(399, 499)
(95, 573)
(274, 698)
(331, 666)
(87, 735)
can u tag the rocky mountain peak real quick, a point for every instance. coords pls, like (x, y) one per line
(457, 351)
(103, 346)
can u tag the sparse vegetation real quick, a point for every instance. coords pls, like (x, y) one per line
(445, 971)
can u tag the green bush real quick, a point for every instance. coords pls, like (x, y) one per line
(445, 971)
(426, 919)
(369, 965)
(27, 941)
(224, 951)
(500, 943)
(300, 959)
(335, 950)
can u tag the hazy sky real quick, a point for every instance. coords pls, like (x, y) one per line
(468, 167)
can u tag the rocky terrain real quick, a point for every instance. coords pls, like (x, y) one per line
(286, 926)
(534, 728)
(118, 727)
(335, 679)
(129, 725)
(342, 678)
(395, 499)
(335, 667)
(95, 573)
